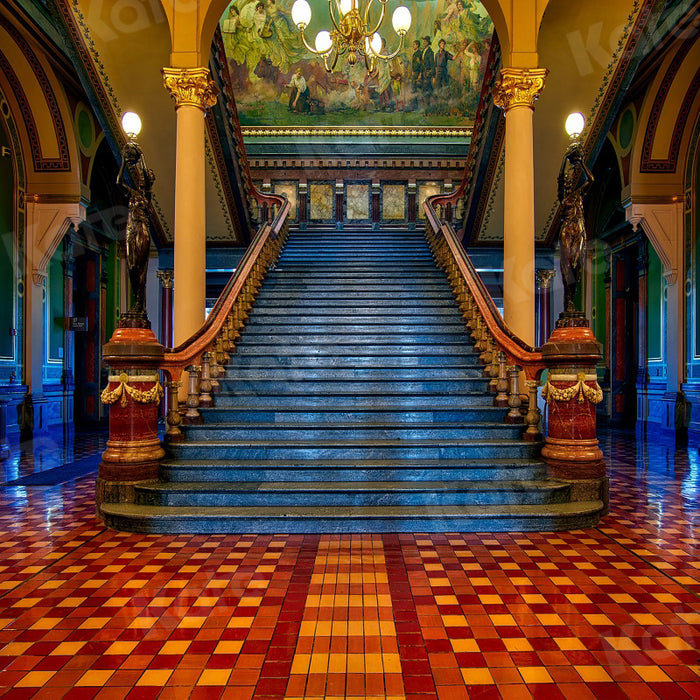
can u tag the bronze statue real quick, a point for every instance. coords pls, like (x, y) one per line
(572, 237)
(138, 236)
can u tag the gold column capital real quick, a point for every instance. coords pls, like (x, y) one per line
(545, 277)
(518, 87)
(166, 278)
(190, 86)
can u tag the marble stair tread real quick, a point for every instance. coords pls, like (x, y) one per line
(557, 516)
(301, 486)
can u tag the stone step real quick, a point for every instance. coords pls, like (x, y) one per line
(350, 493)
(365, 339)
(443, 387)
(366, 449)
(300, 326)
(272, 432)
(452, 321)
(480, 518)
(465, 361)
(392, 349)
(292, 415)
(358, 470)
(350, 402)
(401, 308)
(297, 374)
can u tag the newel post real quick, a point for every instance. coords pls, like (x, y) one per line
(571, 447)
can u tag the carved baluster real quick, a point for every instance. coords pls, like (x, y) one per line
(514, 415)
(192, 415)
(205, 387)
(220, 357)
(532, 418)
(501, 398)
(233, 333)
(486, 355)
(493, 368)
(173, 417)
(473, 315)
(214, 372)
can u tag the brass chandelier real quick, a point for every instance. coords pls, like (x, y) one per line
(353, 33)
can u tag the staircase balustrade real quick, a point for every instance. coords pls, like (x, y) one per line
(480, 314)
(206, 353)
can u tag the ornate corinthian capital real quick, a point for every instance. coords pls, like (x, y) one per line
(544, 278)
(518, 87)
(190, 86)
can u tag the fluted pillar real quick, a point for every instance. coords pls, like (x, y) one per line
(194, 92)
(515, 93)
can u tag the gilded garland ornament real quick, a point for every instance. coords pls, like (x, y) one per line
(518, 87)
(581, 391)
(121, 392)
(190, 87)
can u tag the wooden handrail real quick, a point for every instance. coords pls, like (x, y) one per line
(188, 352)
(519, 353)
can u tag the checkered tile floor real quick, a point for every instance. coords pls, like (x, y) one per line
(611, 612)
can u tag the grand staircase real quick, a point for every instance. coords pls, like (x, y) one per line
(355, 402)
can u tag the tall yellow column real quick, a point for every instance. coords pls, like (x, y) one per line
(515, 93)
(194, 92)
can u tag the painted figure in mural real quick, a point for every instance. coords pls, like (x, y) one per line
(299, 95)
(416, 73)
(282, 37)
(441, 59)
(138, 236)
(253, 19)
(573, 182)
(427, 72)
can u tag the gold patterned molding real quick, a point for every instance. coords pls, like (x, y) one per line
(191, 87)
(372, 131)
(518, 87)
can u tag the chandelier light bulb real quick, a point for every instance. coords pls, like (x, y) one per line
(323, 43)
(345, 7)
(301, 13)
(574, 124)
(376, 44)
(401, 19)
(131, 123)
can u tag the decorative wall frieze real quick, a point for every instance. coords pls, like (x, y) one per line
(518, 87)
(370, 131)
(192, 87)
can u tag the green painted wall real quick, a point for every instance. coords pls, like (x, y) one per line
(599, 329)
(54, 301)
(7, 246)
(112, 294)
(655, 302)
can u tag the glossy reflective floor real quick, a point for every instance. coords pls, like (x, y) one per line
(612, 612)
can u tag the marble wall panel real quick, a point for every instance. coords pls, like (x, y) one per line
(357, 202)
(289, 189)
(393, 202)
(426, 189)
(320, 201)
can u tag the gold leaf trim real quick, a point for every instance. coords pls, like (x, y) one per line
(121, 392)
(581, 391)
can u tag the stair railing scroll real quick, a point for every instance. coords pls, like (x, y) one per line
(503, 354)
(205, 354)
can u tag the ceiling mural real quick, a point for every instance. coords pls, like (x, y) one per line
(279, 83)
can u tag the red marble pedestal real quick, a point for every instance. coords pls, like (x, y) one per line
(133, 394)
(571, 447)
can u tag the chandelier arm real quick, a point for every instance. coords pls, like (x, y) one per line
(330, 12)
(371, 32)
(308, 46)
(394, 54)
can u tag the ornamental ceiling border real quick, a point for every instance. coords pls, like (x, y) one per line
(669, 164)
(79, 37)
(398, 132)
(62, 162)
(601, 114)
